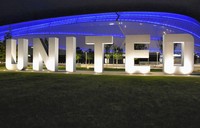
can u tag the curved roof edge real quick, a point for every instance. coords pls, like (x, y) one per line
(172, 20)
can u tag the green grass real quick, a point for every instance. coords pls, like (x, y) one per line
(42, 100)
(156, 70)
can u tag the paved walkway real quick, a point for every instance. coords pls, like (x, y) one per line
(120, 73)
(127, 74)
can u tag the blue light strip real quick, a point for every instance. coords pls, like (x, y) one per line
(198, 45)
(68, 33)
(166, 25)
(160, 15)
(34, 25)
(176, 21)
(124, 16)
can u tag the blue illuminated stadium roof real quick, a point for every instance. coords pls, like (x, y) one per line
(181, 23)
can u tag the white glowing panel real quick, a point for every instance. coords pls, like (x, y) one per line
(40, 55)
(187, 44)
(131, 53)
(11, 61)
(98, 42)
(70, 54)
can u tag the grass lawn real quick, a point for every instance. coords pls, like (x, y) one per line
(37, 100)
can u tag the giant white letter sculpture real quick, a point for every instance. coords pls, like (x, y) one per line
(187, 46)
(11, 61)
(98, 42)
(131, 53)
(71, 54)
(40, 55)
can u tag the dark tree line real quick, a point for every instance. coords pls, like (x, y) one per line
(3, 46)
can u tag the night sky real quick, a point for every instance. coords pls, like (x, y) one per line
(14, 11)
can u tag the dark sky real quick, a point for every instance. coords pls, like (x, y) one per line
(13, 11)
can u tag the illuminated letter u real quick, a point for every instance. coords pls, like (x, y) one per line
(12, 63)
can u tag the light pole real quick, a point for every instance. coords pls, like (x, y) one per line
(85, 57)
(117, 56)
(157, 58)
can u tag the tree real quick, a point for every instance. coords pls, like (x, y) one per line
(108, 56)
(78, 57)
(160, 44)
(108, 48)
(3, 46)
(117, 53)
(90, 55)
(107, 52)
(79, 54)
(117, 57)
(2, 52)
